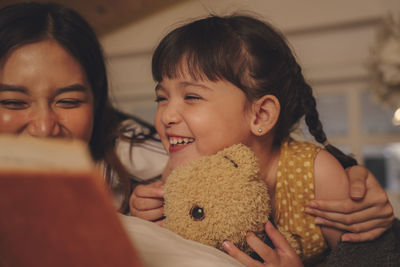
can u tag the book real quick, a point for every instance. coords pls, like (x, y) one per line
(56, 209)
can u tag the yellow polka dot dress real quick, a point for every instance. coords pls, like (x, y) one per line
(294, 190)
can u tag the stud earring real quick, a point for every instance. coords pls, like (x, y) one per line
(259, 130)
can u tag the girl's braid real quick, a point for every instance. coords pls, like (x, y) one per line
(315, 128)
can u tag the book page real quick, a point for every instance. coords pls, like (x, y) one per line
(28, 153)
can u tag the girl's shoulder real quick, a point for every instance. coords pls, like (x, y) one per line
(300, 146)
(298, 151)
(323, 164)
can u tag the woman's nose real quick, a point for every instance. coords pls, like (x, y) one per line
(43, 123)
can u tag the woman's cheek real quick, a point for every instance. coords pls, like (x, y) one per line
(11, 121)
(78, 122)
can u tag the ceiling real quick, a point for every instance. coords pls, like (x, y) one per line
(108, 15)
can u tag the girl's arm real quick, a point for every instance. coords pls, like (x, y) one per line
(147, 201)
(366, 215)
(331, 183)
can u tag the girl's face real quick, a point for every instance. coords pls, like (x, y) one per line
(199, 118)
(44, 92)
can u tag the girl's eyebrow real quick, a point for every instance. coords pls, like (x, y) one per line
(186, 84)
(183, 85)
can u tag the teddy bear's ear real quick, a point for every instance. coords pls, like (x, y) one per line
(240, 156)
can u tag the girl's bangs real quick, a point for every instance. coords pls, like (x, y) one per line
(198, 50)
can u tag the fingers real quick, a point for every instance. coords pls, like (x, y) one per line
(264, 251)
(277, 238)
(375, 206)
(363, 237)
(358, 227)
(344, 206)
(153, 190)
(366, 219)
(148, 215)
(348, 218)
(357, 178)
(242, 257)
(284, 254)
(146, 201)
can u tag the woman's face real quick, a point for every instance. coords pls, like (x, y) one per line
(44, 92)
(199, 118)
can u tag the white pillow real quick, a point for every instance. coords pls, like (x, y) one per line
(158, 247)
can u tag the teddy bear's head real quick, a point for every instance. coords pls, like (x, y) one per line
(216, 198)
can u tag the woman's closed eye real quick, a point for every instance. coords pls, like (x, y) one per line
(69, 103)
(14, 104)
(160, 99)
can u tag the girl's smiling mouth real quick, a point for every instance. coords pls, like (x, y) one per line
(178, 142)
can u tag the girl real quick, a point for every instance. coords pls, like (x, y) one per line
(228, 80)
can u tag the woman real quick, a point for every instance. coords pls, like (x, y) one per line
(54, 84)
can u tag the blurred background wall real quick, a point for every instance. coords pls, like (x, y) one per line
(335, 42)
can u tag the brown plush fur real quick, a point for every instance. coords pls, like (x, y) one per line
(227, 189)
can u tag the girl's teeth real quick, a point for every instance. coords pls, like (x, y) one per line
(181, 141)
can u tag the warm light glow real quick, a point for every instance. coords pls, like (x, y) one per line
(396, 117)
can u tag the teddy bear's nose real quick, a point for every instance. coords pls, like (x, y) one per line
(197, 213)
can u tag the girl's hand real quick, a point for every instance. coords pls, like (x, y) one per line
(147, 201)
(366, 215)
(282, 255)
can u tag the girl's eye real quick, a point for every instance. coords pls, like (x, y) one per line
(14, 104)
(69, 103)
(192, 97)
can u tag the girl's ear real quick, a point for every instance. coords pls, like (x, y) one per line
(265, 114)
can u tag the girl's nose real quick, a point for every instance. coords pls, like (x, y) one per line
(170, 115)
(43, 123)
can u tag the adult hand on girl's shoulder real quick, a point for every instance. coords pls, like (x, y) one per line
(282, 255)
(366, 215)
(146, 202)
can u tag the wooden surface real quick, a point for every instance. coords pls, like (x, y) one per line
(105, 15)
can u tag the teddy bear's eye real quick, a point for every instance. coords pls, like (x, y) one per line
(197, 213)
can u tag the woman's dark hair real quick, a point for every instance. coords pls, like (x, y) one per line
(26, 23)
(253, 56)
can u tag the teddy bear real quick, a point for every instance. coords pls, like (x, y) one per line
(216, 198)
(220, 197)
